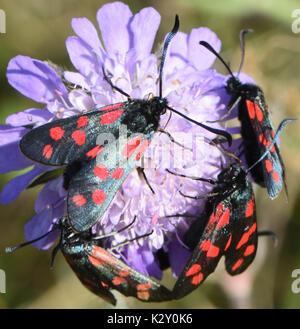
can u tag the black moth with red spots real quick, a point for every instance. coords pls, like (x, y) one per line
(257, 132)
(127, 128)
(226, 227)
(103, 168)
(100, 271)
(95, 266)
(256, 128)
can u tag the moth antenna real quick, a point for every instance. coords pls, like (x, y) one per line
(281, 126)
(205, 180)
(271, 234)
(24, 244)
(242, 42)
(131, 240)
(164, 53)
(212, 130)
(212, 50)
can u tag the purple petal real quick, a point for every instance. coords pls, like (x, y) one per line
(80, 100)
(144, 27)
(58, 211)
(113, 19)
(76, 78)
(30, 116)
(178, 53)
(10, 134)
(48, 196)
(179, 46)
(177, 252)
(34, 79)
(134, 257)
(199, 56)
(152, 266)
(88, 33)
(14, 187)
(83, 59)
(11, 157)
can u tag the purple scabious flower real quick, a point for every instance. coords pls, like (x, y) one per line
(189, 84)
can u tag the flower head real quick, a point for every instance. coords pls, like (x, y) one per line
(189, 84)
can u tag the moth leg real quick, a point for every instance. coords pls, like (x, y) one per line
(107, 79)
(230, 108)
(173, 140)
(141, 171)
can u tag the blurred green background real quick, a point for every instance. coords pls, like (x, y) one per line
(39, 29)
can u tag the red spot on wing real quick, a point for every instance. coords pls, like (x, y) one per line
(79, 200)
(117, 173)
(249, 250)
(237, 264)
(276, 177)
(250, 107)
(94, 151)
(213, 251)
(264, 141)
(56, 133)
(142, 148)
(197, 279)
(82, 121)
(259, 114)
(110, 117)
(245, 237)
(194, 269)
(205, 245)
(117, 281)
(250, 208)
(101, 257)
(224, 218)
(101, 172)
(112, 107)
(269, 166)
(228, 243)
(197, 276)
(79, 137)
(143, 290)
(98, 262)
(272, 149)
(272, 133)
(131, 146)
(252, 228)
(144, 286)
(98, 196)
(215, 215)
(47, 151)
(105, 285)
(124, 273)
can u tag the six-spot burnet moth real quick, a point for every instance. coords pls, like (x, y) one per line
(226, 227)
(229, 215)
(256, 127)
(82, 138)
(98, 269)
(92, 261)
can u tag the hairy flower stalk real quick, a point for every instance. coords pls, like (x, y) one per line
(191, 87)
